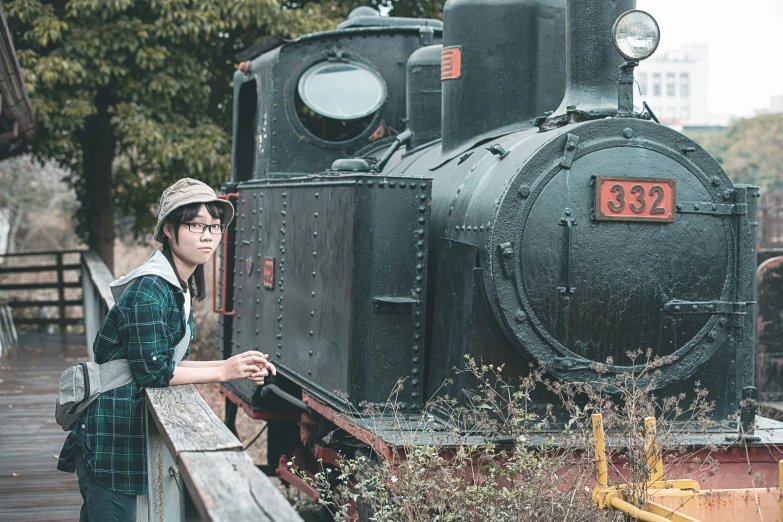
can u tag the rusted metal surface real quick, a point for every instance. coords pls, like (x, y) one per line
(726, 505)
(769, 346)
(767, 253)
(364, 435)
(258, 414)
(31, 489)
(683, 500)
(771, 220)
(285, 474)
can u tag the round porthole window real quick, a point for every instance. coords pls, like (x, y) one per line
(336, 101)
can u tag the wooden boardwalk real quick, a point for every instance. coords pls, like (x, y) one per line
(31, 488)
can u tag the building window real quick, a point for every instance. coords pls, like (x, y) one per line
(671, 113)
(642, 78)
(670, 84)
(656, 84)
(685, 113)
(685, 85)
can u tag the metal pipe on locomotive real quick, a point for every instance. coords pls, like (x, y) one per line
(410, 193)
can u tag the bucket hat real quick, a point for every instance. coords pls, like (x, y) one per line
(185, 192)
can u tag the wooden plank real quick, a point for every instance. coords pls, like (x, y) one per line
(31, 489)
(42, 268)
(38, 286)
(42, 253)
(51, 302)
(186, 422)
(61, 291)
(100, 275)
(48, 320)
(226, 486)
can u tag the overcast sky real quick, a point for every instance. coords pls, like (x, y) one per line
(745, 40)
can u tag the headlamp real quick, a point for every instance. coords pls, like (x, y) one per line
(636, 35)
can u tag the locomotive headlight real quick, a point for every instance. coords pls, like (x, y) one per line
(636, 35)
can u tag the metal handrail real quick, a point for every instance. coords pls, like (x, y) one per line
(615, 498)
(223, 269)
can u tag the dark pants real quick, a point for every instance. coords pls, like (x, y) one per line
(101, 504)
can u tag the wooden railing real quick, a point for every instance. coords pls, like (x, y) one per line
(196, 467)
(97, 299)
(61, 303)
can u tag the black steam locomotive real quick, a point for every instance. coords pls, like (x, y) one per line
(410, 192)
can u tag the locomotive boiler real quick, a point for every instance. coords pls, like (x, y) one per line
(409, 194)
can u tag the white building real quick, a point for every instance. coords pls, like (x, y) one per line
(775, 106)
(674, 85)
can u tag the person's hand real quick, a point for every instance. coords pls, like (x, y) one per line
(243, 365)
(263, 371)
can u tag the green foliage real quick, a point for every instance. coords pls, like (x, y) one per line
(162, 67)
(750, 150)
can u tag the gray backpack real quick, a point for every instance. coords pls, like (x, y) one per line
(80, 385)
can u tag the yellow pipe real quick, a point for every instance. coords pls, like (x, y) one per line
(645, 516)
(780, 487)
(668, 513)
(654, 464)
(601, 475)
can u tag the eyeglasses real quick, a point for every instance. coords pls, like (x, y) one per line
(198, 228)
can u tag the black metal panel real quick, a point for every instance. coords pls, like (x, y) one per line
(593, 62)
(369, 17)
(280, 144)
(425, 95)
(345, 315)
(453, 321)
(512, 66)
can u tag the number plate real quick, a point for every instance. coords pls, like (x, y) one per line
(635, 199)
(269, 273)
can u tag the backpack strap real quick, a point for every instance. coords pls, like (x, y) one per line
(115, 374)
(118, 373)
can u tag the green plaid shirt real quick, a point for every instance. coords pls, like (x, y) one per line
(144, 326)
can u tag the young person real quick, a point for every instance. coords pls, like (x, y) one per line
(151, 326)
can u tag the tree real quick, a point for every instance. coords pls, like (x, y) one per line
(750, 150)
(36, 204)
(412, 8)
(130, 95)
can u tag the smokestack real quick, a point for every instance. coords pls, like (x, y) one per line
(592, 62)
(502, 65)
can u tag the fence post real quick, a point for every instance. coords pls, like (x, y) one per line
(61, 291)
(91, 311)
(166, 495)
